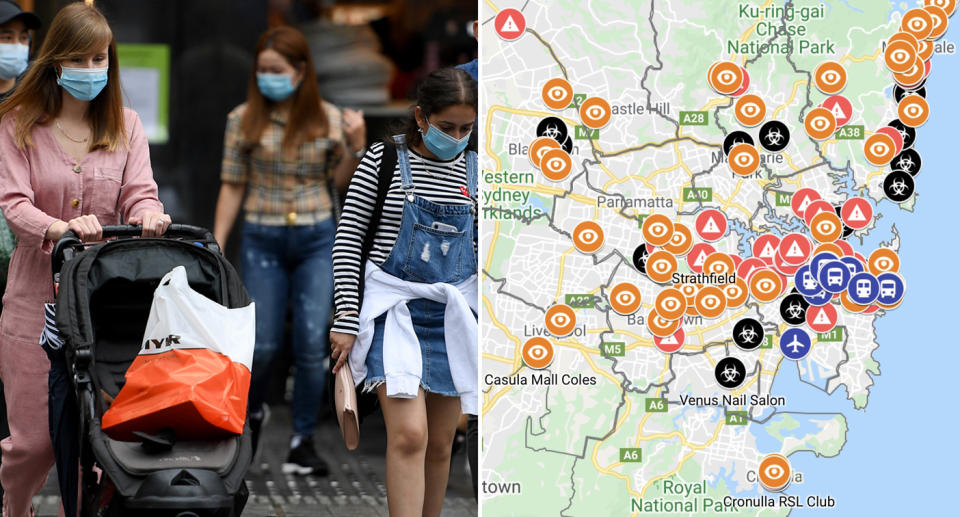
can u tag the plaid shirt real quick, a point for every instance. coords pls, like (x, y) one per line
(277, 185)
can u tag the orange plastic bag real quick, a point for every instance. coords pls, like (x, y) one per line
(192, 373)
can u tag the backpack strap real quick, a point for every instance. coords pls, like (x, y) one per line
(388, 162)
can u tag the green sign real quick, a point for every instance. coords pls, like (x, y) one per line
(579, 301)
(836, 334)
(767, 341)
(630, 455)
(582, 133)
(694, 118)
(783, 198)
(578, 99)
(850, 133)
(697, 194)
(640, 220)
(737, 418)
(656, 405)
(616, 349)
(145, 76)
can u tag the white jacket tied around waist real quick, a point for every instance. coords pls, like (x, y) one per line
(402, 363)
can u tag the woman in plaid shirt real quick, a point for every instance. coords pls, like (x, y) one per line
(285, 150)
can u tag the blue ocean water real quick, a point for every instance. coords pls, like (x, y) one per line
(899, 458)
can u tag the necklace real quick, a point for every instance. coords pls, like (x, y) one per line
(77, 140)
(426, 167)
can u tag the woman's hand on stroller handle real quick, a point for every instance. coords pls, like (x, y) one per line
(86, 227)
(154, 224)
(340, 345)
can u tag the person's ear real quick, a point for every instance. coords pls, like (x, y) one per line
(422, 122)
(476, 26)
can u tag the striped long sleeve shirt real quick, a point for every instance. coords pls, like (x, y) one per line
(435, 180)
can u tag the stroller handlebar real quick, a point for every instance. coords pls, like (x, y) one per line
(128, 230)
(69, 243)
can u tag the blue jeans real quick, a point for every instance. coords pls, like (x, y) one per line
(295, 263)
(435, 376)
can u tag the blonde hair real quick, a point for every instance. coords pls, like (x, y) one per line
(77, 30)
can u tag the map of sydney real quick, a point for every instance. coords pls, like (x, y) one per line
(677, 203)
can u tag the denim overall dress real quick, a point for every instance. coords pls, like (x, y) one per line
(435, 244)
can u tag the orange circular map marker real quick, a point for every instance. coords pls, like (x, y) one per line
(820, 123)
(736, 293)
(913, 76)
(913, 110)
(537, 353)
(917, 22)
(744, 159)
(710, 301)
(883, 260)
(556, 164)
(588, 237)
(750, 110)
(774, 472)
(681, 240)
(657, 230)
(539, 147)
(940, 22)
(830, 77)
(671, 303)
(560, 320)
(904, 36)
(948, 6)
(625, 298)
(924, 50)
(826, 226)
(879, 149)
(766, 285)
(831, 247)
(689, 292)
(725, 77)
(899, 56)
(557, 93)
(660, 326)
(594, 112)
(718, 263)
(661, 265)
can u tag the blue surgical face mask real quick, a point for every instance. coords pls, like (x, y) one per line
(83, 83)
(13, 59)
(275, 87)
(442, 144)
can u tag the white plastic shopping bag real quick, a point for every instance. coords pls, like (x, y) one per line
(193, 370)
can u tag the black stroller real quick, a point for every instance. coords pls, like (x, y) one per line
(104, 299)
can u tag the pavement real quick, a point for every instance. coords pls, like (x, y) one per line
(356, 485)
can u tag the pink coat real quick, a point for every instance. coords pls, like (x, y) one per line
(41, 184)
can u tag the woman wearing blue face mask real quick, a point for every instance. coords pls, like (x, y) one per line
(15, 27)
(413, 339)
(285, 152)
(71, 158)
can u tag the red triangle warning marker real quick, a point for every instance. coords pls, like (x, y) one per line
(822, 319)
(794, 250)
(768, 251)
(856, 213)
(711, 225)
(510, 24)
(698, 254)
